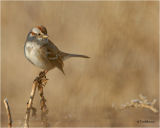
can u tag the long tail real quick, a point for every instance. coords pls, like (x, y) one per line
(68, 55)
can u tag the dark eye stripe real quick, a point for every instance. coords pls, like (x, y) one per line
(33, 33)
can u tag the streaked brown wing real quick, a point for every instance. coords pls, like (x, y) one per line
(53, 54)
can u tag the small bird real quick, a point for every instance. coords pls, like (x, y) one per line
(42, 52)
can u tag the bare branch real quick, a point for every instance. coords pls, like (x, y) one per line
(8, 112)
(29, 103)
(44, 109)
(39, 82)
(142, 102)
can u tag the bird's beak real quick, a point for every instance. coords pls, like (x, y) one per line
(45, 36)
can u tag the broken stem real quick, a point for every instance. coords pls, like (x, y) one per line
(29, 103)
(8, 112)
(44, 109)
(39, 82)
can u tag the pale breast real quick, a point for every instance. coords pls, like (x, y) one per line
(33, 55)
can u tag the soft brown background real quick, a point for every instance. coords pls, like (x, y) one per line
(120, 37)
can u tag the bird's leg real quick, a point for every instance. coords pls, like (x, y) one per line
(42, 75)
(45, 71)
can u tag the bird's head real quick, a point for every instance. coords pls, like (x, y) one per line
(39, 32)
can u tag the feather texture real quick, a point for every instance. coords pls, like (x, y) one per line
(43, 53)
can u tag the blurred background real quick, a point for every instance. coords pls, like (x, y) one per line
(120, 37)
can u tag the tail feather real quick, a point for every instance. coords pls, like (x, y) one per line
(68, 55)
(77, 55)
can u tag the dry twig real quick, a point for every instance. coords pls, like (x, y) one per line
(8, 112)
(29, 103)
(38, 82)
(44, 109)
(142, 102)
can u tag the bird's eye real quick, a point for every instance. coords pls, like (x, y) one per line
(39, 34)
